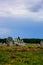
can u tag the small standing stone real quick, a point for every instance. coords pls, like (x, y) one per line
(41, 43)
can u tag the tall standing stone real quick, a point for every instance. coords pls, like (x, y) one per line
(9, 41)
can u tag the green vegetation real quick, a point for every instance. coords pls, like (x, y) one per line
(3, 40)
(33, 40)
(19, 55)
(32, 45)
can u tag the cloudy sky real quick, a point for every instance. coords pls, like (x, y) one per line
(22, 18)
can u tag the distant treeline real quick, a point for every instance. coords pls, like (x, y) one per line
(25, 40)
(32, 40)
(3, 40)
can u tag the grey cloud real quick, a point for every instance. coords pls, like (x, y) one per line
(37, 7)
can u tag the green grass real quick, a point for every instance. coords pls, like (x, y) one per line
(8, 56)
(32, 45)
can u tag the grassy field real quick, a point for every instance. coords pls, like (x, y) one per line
(18, 55)
(32, 45)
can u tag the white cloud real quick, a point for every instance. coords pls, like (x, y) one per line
(3, 31)
(22, 8)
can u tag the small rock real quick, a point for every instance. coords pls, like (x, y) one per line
(13, 56)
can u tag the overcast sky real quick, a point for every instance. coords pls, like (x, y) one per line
(22, 18)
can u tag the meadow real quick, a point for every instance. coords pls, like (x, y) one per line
(21, 55)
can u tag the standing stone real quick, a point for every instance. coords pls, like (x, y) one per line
(19, 42)
(41, 43)
(9, 41)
